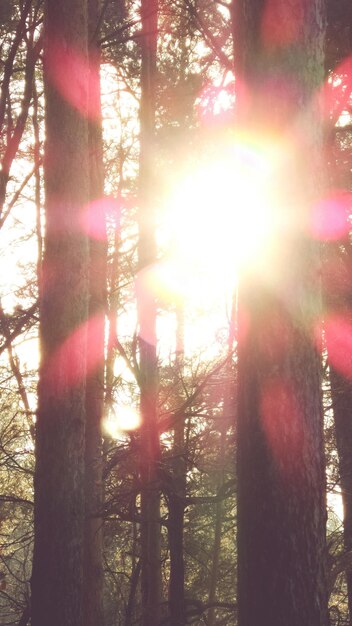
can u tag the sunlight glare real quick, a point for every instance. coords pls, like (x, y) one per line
(121, 419)
(218, 221)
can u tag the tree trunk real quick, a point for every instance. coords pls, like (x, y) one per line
(57, 578)
(176, 503)
(93, 546)
(150, 445)
(281, 482)
(226, 420)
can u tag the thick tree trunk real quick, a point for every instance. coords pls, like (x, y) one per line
(93, 546)
(150, 445)
(57, 578)
(281, 499)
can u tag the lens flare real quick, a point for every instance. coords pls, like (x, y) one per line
(121, 419)
(219, 219)
(336, 91)
(67, 367)
(282, 425)
(330, 218)
(68, 70)
(92, 219)
(280, 25)
(338, 338)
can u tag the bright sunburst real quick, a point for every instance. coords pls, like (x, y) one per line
(121, 419)
(219, 219)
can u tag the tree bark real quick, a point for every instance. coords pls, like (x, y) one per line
(57, 577)
(281, 482)
(150, 445)
(93, 546)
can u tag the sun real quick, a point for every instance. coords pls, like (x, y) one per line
(219, 219)
(121, 419)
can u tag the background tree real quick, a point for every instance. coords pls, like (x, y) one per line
(148, 369)
(96, 213)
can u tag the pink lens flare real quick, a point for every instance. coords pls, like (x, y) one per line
(337, 90)
(336, 273)
(243, 327)
(94, 216)
(69, 364)
(146, 304)
(90, 220)
(282, 425)
(330, 218)
(281, 26)
(68, 71)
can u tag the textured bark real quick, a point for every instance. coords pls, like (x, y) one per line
(60, 430)
(93, 545)
(281, 501)
(177, 569)
(150, 445)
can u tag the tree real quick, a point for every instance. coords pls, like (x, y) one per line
(281, 501)
(93, 544)
(176, 494)
(148, 376)
(57, 577)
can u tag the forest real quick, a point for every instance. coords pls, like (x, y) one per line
(175, 313)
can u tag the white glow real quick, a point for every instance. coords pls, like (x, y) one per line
(219, 220)
(335, 502)
(121, 419)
